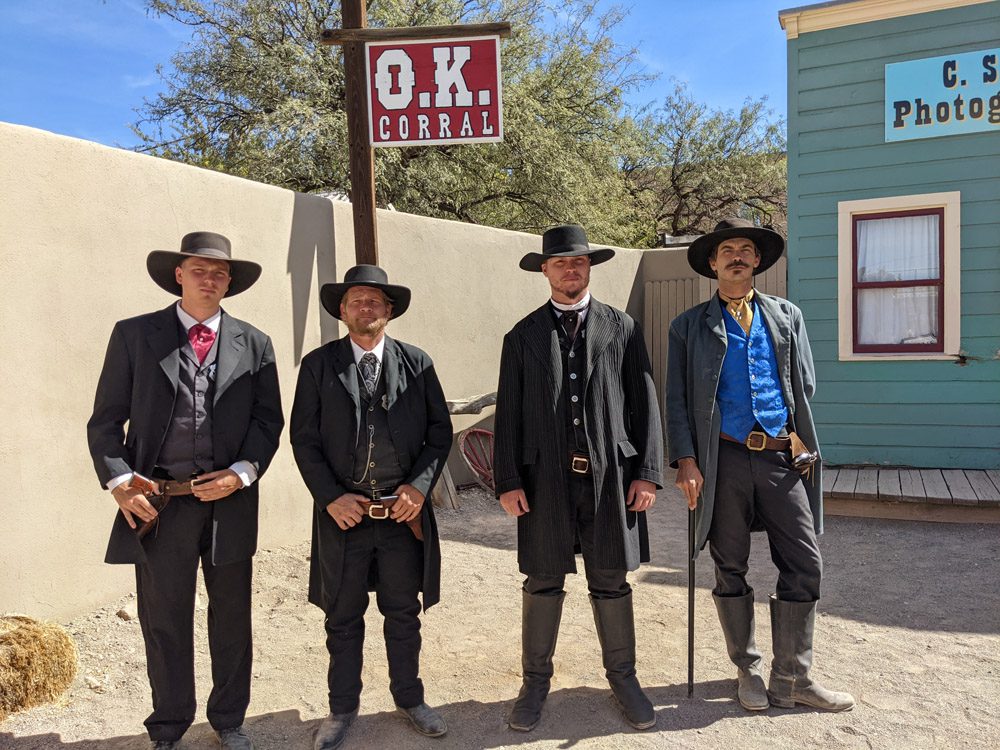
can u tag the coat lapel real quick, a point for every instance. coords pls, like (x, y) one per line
(231, 348)
(713, 316)
(347, 371)
(391, 366)
(163, 338)
(601, 331)
(543, 342)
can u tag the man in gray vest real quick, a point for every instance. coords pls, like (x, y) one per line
(199, 391)
(371, 433)
(741, 435)
(578, 457)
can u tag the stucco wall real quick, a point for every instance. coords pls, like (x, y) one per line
(77, 222)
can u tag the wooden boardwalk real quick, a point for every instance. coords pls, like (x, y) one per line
(950, 495)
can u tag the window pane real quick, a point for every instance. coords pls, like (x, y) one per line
(898, 316)
(899, 249)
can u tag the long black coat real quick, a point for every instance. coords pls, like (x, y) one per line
(326, 417)
(624, 437)
(138, 385)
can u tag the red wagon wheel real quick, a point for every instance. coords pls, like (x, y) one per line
(476, 446)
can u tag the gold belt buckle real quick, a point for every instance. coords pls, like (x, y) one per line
(579, 464)
(378, 507)
(750, 441)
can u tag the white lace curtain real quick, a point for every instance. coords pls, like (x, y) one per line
(903, 248)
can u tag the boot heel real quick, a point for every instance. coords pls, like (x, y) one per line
(780, 702)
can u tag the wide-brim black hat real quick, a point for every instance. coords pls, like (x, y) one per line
(209, 245)
(364, 275)
(564, 241)
(769, 244)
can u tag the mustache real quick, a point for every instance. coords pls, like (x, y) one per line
(738, 264)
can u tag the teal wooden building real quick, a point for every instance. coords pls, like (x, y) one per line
(894, 226)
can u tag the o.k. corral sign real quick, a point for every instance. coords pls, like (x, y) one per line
(438, 91)
(947, 95)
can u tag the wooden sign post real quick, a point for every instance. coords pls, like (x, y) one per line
(354, 37)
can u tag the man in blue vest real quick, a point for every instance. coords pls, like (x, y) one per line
(741, 436)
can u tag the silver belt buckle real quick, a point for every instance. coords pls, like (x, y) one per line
(579, 464)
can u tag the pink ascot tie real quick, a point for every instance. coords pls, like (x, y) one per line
(201, 337)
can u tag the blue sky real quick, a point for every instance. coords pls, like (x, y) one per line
(82, 67)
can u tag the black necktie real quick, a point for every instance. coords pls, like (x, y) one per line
(570, 320)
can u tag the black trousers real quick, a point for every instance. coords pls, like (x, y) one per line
(602, 583)
(398, 559)
(762, 485)
(165, 591)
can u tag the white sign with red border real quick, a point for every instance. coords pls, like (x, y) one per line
(433, 92)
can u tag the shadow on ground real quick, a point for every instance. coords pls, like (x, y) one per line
(924, 576)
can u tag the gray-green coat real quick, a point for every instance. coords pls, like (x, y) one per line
(694, 361)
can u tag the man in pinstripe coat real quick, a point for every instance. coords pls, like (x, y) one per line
(578, 459)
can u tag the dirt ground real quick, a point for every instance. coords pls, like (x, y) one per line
(909, 623)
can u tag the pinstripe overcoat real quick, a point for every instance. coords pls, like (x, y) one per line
(694, 363)
(623, 429)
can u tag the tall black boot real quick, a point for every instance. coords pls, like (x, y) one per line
(737, 620)
(792, 626)
(616, 631)
(540, 616)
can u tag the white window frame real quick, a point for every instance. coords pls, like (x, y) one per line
(952, 270)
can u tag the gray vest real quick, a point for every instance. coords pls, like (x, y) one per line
(187, 447)
(375, 464)
(574, 361)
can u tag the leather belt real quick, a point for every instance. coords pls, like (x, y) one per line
(579, 463)
(378, 510)
(758, 441)
(173, 488)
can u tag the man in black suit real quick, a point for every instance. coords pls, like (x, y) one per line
(371, 433)
(578, 457)
(199, 391)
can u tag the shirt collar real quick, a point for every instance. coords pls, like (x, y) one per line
(187, 320)
(377, 351)
(580, 306)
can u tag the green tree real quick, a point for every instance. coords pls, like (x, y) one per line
(254, 94)
(695, 165)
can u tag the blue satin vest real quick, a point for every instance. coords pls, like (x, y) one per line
(750, 386)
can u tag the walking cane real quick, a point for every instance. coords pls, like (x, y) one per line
(690, 603)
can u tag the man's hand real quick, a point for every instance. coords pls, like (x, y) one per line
(346, 510)
(216, 485)
(514, 502)
(409, 504)
(641, 495)
(133, 504)
(689, 480)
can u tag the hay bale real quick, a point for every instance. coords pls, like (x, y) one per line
(37, 663)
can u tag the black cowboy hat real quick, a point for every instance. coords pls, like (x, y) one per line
(364, 275)
(769, 244)
(209, 245)
(563, 241)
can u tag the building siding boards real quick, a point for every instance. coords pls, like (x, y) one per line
(911, 413)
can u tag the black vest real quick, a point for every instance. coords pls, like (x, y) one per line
(187, 447)
(574, 367)
(375, 464)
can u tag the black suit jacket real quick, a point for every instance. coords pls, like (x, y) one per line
(326, 417)
(138, 385)
(624, 436)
